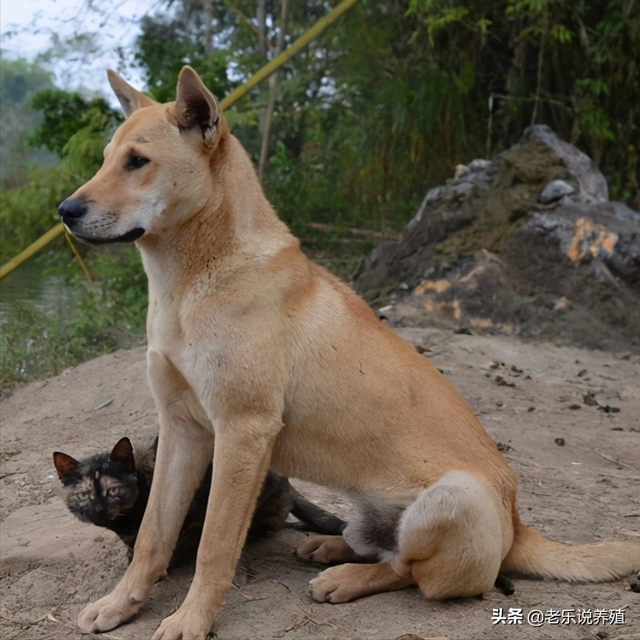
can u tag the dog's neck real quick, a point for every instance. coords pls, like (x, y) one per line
(237, 225)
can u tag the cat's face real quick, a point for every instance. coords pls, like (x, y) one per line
(102, 488)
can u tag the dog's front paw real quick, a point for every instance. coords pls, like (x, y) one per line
(182, 625)
(107, 613)
(335, 585)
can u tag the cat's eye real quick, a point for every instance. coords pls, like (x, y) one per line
(136, 162)
(114, 492)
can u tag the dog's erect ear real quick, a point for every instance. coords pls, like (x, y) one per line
(64, 464)
(130, 98)
(122, 454)
(195, 105)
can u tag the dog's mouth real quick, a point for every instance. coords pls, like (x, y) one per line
(130, 236)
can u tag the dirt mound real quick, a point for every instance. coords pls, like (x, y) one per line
(526, 243)
(566, 419)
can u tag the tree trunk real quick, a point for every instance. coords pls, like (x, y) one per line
(208, 19)
(273, 84)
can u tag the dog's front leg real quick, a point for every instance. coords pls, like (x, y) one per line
(240, 461)
(185, 450)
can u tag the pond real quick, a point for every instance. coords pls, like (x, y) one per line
(32, 283)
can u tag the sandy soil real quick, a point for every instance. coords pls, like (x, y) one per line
(582, 488)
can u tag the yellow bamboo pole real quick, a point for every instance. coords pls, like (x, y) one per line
(31, 250)
(231, 99)
(76, 253)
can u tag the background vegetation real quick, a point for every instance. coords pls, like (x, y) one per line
(351, 133)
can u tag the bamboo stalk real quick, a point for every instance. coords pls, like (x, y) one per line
(76, 253)
(31, 250)
(231, 99)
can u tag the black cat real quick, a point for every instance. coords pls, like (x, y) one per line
(111, 490)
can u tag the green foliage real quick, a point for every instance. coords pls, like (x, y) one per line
(119, 291)
(166, 45)
(77, 130)
(91, 319)
(19, 80)
(28, 211)
(65, 115)
(33, 344)
(571, 65)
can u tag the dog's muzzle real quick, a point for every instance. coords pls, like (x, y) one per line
(72, 210)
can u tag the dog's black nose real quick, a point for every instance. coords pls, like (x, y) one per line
(72, 209)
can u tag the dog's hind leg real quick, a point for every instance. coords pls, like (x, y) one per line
(450, 539)
(370, 535)
(449, 544)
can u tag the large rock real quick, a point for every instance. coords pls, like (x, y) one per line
(524, 243)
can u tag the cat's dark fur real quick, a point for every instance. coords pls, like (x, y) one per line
(111, 490)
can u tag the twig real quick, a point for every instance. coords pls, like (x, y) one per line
(52, 618)
(286, 586)
(319, 624)
(25, 623)
(368, 233)
(612, 460)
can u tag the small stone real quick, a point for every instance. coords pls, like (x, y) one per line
(555, 190)
(479, 163)
(434, 194)
(559, 442)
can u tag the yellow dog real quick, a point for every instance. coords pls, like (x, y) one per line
(260, 359)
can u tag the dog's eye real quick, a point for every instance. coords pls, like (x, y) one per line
(135, 162)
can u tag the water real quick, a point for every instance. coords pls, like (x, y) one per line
(32, 284)
(34, 306)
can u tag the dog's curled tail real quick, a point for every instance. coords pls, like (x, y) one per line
(533, 555)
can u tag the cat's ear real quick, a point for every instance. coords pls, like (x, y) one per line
(149, 460)
(122, 454)
(64, 464)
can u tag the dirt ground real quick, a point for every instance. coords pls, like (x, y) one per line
(570, 420)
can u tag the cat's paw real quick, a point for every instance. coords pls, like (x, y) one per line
(107, 613)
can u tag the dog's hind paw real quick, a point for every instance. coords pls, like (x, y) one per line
(327, 550)
(334, 586)
(351, 581)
